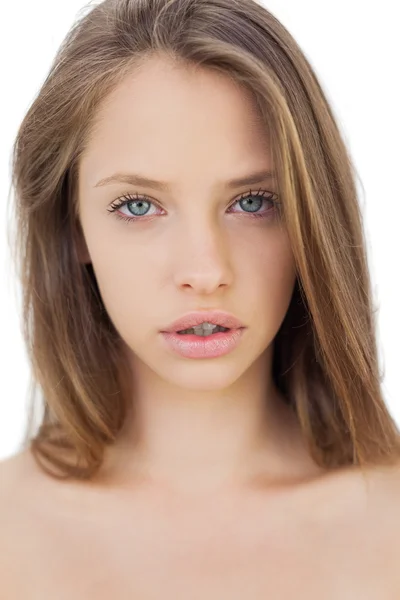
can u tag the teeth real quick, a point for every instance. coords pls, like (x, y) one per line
(204, 329)
(205, 326)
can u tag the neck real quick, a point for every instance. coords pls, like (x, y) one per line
(197, 440)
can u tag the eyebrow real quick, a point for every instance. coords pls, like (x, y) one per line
(135, 179)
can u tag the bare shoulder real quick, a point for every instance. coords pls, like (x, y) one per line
(383, 484)
(12, 471)
(24, 488)
(17, 487)
(369, 502)
(376, 488)
(381, 508)
(16, 479)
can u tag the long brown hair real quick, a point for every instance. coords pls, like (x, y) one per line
(325, 357)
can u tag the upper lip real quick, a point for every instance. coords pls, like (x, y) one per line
(193, 319)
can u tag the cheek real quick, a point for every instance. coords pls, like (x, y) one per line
(272, 267)
(269, 279)
(126, 286)
(125, 279)
(281, 273)
(128, 298)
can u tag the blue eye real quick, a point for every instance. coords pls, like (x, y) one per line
(250, 204)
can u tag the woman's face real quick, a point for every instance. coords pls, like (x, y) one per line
(190, 245)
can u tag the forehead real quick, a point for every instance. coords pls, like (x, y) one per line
(172, 118)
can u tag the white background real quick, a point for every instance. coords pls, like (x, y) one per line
(354, 48)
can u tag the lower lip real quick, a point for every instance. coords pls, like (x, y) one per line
(196, 346)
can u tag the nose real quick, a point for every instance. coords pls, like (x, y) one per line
(204, 263)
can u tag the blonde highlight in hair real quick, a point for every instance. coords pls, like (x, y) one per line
(325, 356)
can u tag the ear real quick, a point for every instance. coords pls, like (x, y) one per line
(80, 244)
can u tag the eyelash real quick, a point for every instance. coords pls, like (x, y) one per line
(128, 198)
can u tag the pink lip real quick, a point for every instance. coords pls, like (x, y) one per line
(193, 319)
(194, 346)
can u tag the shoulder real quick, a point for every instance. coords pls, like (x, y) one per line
(374, 492)
(12, 471)
(381, 519)
(18, 523)
(17, 483)
(16, 474)
(356, 515)
(11, 536)
(25, 491)
(383, 486)
(372, 505)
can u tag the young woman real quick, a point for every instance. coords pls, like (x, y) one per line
(198, 315)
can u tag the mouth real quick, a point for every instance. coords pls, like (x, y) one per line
(204, 323)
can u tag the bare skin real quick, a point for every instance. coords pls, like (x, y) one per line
(326, 536)
(210, 491)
